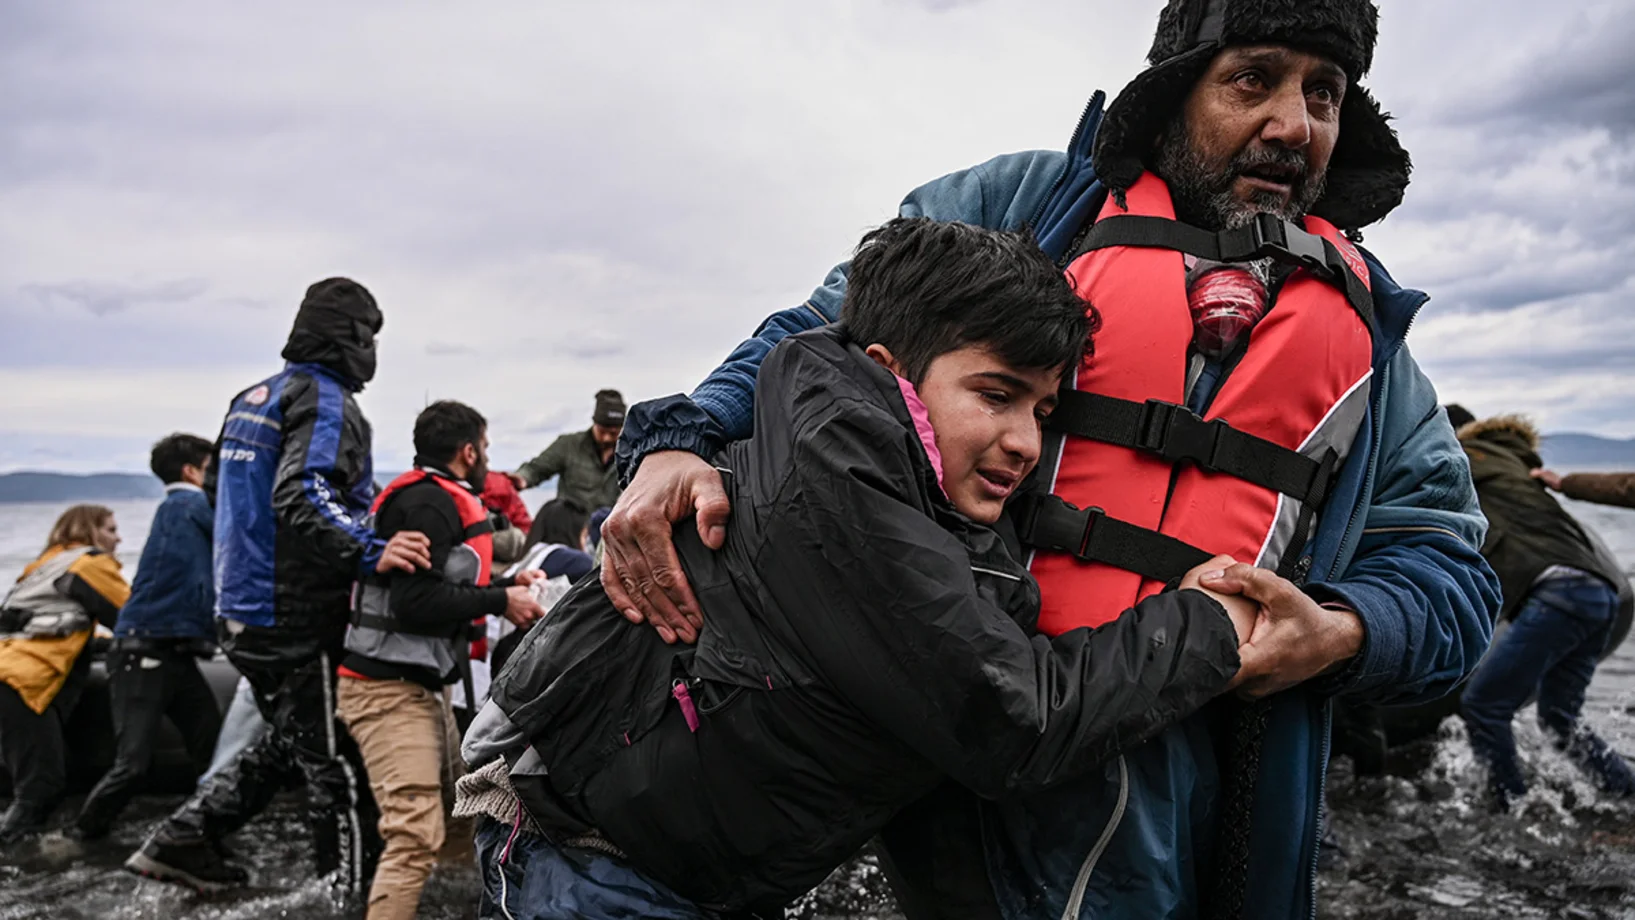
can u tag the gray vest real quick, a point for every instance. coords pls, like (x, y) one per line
(48, 613)
(377, 632)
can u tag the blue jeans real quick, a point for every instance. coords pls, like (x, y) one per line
(1551, 649)
(241, 727)
(526, 877)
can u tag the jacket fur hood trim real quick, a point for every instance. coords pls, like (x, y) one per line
(1518, 425)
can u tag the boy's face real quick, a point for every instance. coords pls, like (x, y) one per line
(987, 416)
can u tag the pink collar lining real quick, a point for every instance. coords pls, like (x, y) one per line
(922, 426)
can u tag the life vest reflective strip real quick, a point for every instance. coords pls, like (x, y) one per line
(1301, 385)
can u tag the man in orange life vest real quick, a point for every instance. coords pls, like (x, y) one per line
(410, 639)
(1250, 395)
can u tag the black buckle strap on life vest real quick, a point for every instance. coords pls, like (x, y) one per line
(1265, 237)
(484, 526)
(1178, 435)
(1046, 522)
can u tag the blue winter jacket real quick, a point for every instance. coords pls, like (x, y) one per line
(173, 595)
(294, 480)
(1398, 542)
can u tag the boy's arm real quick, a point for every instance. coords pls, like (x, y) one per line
(886, 604)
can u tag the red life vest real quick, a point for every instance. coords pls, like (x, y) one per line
(479, 530)
(1300, 388)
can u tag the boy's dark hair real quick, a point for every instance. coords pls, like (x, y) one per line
(923, 288)
(175, 451)
(444, 427)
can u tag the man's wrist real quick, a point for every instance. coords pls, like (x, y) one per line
(1347, 637)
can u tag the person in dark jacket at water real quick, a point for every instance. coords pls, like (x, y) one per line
(163, 630)
(293, 481)
(867, 633)
(410, 639)
(1562, 600)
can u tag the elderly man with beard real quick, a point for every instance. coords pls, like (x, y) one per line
(1250, 395)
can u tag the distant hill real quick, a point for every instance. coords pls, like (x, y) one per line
(1587, 451)
(62, 487)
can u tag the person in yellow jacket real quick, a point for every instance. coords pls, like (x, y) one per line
(46, 619)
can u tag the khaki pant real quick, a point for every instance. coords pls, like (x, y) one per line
(411, 749)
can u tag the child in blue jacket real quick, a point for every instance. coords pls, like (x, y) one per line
(168, 624)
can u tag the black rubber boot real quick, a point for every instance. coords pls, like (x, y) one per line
(194, 865)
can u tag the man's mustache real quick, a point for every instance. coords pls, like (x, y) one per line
(1281, 158)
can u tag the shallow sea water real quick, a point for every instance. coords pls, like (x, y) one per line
(1417, 843)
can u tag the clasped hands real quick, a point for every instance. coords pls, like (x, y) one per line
(1284, 637)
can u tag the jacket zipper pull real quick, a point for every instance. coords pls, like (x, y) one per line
(685, 700)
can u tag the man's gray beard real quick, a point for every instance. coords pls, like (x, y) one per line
(1202, 194)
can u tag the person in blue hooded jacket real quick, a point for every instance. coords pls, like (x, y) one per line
(293, 481)
(1253, 122)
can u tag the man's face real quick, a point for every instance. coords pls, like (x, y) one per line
(1254, 136)
(606, 436)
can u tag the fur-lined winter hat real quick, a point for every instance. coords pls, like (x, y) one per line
(1369, 169)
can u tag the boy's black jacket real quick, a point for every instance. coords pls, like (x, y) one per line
(861, 641)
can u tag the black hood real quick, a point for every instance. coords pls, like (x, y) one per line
(1368, 171)
(336, 328)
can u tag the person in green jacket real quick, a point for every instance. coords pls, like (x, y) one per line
(1562, 601)
(583, 460)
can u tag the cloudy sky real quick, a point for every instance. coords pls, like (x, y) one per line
(550, 198)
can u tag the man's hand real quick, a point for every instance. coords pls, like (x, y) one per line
(518, 481)
(1294, 638)
(406, 551)
(521, 608)
(640, 569)
(1240, 610)
(1550, 478)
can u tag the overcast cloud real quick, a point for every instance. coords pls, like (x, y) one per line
(552, 198)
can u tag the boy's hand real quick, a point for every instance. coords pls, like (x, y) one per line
(527, 577)
(407, 551)
(640, 569)
(1240, 610)
(518, 481)
(521, 608)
